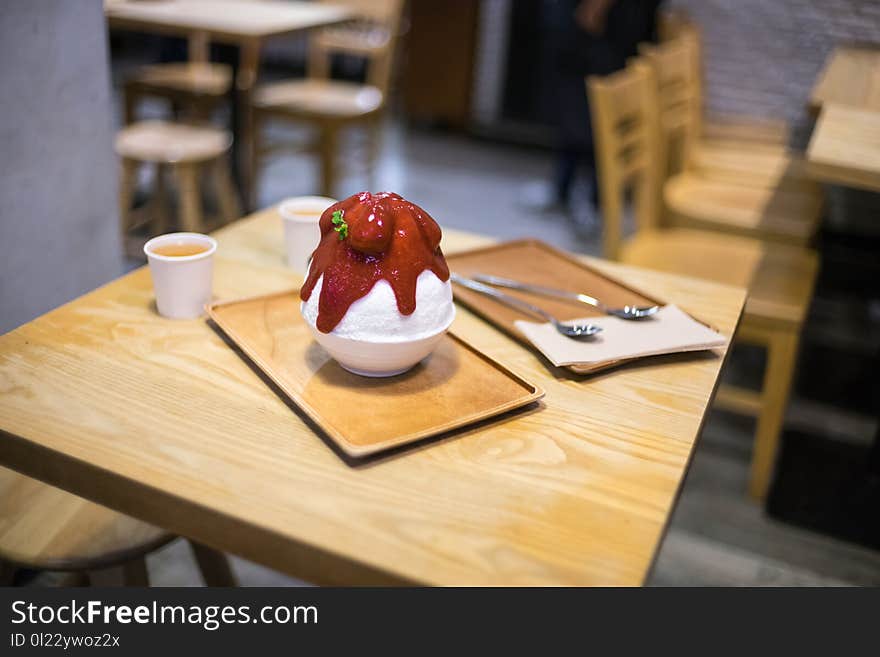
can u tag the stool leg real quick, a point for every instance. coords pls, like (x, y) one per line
(781, 358)
(226, 196)
(78, 579)
(105, 577)
(127, 185)
(135, 573)
(129, 103)
(159, 206)
(7, 573)
(190, 201)
(329, 139)
(131, 573)
(213, 565)
(200, 111)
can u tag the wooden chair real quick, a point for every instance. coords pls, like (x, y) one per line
(46, 528)
(753, 191)
(197, 85)
(185, 150)
(331, 105)
(674, 23)
(780, 278)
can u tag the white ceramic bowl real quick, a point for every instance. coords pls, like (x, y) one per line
(377, 359)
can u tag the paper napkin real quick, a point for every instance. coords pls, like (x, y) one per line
(669, 331)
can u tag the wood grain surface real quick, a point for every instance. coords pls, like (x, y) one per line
(845, 147)
(851, 77)
(454, 387)
(161, 420)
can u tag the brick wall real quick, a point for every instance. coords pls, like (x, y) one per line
(762, 56)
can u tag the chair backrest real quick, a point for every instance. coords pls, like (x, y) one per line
(373, 34)
(626, 133)
(677, 69)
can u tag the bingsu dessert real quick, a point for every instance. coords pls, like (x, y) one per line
(377, 296)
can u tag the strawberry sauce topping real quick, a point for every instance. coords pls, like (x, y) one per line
(376, 236)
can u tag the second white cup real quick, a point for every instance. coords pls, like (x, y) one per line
(300, 216)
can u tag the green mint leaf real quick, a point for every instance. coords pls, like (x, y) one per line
(339, 224)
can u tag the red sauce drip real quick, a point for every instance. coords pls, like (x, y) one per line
(388, 237)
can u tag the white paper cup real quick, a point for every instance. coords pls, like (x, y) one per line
(182, 283)
(300, 216)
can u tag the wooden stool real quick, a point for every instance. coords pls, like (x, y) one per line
(185, 150)
(46, 528)
(779, 277)
(197, 85)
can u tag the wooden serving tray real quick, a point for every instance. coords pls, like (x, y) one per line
(456, 386)
(538, 263)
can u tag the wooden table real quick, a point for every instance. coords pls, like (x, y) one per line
(851, 77)
(247, 24)
(845, 147)
(160, 419)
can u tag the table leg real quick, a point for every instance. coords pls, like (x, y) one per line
(213, 565)
(245, 80)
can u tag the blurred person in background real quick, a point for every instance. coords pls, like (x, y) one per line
(591, 37)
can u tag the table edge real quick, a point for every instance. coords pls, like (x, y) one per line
(288, 555)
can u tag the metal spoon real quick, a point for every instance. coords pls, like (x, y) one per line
(627, 312)
(568, 330)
